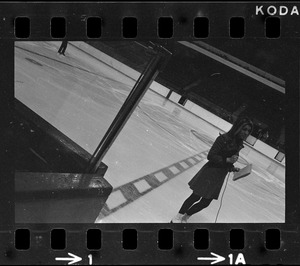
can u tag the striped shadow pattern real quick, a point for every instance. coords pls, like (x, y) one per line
(129, 192)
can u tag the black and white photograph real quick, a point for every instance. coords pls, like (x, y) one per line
(162, 131)
(153, 133)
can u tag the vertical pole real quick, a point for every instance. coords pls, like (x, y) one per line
(155, 65)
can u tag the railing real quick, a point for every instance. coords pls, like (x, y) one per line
(156, 64)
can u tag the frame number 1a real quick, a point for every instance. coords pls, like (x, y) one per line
(239, 259)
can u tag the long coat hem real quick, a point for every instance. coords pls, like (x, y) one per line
(208, 182)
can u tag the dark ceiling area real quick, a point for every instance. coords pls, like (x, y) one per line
(226, 86)
(270, 55)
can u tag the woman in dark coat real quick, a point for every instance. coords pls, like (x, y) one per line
(207, 183)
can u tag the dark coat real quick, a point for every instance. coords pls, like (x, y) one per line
(207, 183)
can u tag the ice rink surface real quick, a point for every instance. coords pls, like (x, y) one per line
(158, 151)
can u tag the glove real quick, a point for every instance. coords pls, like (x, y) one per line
(234, 169)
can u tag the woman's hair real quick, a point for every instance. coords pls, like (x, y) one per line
(239, 124)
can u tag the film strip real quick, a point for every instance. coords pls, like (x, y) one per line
(110, 109)
(165, 27)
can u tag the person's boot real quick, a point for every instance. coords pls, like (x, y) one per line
(185, 218)
(177, 218)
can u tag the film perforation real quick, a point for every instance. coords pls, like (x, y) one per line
(201, 239)
(130, 27)
(22, 27)
(22, 239)
(272, 239)
(58, 27)
(237, 239)
(58, 239)
(130, 239)
(237, 27)
(93, 239)
(272, 27)
(165, 239)
(93, 27)
(165, 27)
(201, 27)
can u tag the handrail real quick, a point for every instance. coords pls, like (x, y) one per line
(156, 64)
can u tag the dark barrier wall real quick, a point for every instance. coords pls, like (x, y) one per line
(50, 183)
(59, 197)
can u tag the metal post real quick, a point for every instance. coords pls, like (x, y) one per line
(153, 68)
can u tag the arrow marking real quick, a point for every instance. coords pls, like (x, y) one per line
(72, 260)
(216, 259)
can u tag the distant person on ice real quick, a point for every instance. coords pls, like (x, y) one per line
(207, 183)
(63, 47)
